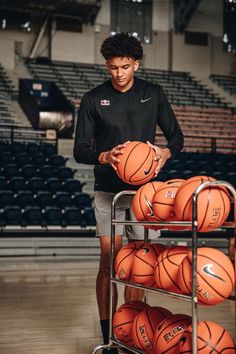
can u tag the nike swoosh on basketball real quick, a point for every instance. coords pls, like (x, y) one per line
(146, 172)
(145, 99)
(149, 205)
(207, 269)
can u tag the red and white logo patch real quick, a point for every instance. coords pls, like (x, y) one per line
(105, 102)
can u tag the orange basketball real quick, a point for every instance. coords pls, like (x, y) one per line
(163, 201)
(215, 275)
(168, 263)
(213, 205)
(144, 264)
(211, 338)
(144, 326)
(142, 202)
(123, 320)
(168, 333)
(124, 259)
(137, 164)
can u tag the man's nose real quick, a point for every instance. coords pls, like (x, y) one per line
(119, 72)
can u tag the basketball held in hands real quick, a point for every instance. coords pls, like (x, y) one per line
(137, 164)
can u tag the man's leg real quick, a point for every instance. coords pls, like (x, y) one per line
(103, 285)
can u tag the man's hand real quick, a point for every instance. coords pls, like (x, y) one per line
(112, 157)
(162, 155)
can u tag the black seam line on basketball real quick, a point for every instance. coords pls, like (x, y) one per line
(173, 254)
(162, 203)
(220, 337)
(150, 323)
(157, 216)
(209, 335)
(191, 196)
(138, 143)
(145, 261)
(125, 257)
(159, 272)
(167, 273)
(121, 324)
(136, 331)
(219, 264)
(141, 164)
(188, 286)
(146, 177)
(143, 275)
(154, 250)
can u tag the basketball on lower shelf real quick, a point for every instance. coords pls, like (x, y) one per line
(215, 275)
(211, 338)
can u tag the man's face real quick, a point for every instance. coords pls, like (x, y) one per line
(122, 72)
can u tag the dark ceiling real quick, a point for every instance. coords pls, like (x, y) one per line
(85, 10)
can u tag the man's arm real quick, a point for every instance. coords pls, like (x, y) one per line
(84, 151)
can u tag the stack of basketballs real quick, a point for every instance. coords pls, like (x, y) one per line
(154, 329)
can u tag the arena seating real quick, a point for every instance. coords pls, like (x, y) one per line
(43, 195)
(75, 79)
(227, 82)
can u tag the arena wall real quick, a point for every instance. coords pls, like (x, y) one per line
(168, 50)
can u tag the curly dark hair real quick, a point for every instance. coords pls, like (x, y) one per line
(122, 45)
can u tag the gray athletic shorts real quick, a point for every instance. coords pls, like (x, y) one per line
(102, 202)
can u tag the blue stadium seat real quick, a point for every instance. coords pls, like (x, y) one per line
(33, 148)
(39, 159)
(33, 216)
(64, 172)
(17, 183)
(6, 158)
(29, 171)
(6, 198)
(44, 199)
(63, 199)
(17, 147)
(49, 149)
(53, 216)
(47, 171)
(10, 170)
(24, 199)
(72, 216)
(4, 146)
(36, 184)
(56, 160)
(73, 185)
(22, 159)
(54, 184)
(3, 183)
(12, 215)
(82, 200)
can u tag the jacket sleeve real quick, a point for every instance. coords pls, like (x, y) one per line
(169, 125)
(84, 150)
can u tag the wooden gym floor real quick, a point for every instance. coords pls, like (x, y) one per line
(49, 307)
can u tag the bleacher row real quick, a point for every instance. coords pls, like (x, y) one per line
(74, 79)
(227, 82)
(36, 188)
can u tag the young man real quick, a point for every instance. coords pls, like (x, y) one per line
(121, 109)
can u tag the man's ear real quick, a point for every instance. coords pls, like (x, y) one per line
(136, 65)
